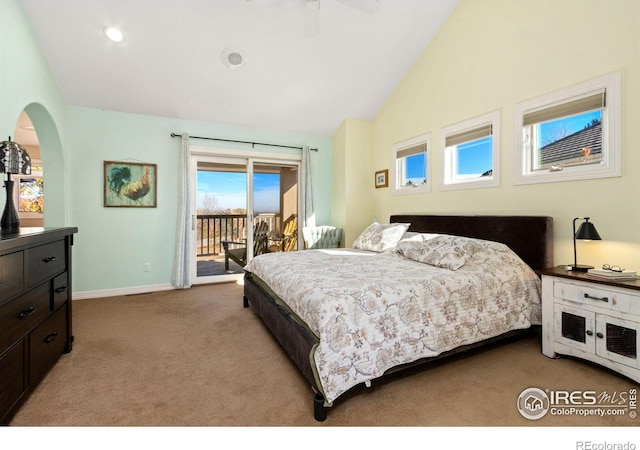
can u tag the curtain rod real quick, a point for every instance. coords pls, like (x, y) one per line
(241, 142)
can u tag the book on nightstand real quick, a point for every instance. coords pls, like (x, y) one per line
(611, 275)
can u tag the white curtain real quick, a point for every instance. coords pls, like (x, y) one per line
(181, 276)
(307, 204)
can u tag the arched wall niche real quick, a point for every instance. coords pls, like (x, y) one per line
(52, 157)
(29, 208)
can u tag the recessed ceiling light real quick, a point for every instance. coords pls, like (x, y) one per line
(233, 57)
(114, 34)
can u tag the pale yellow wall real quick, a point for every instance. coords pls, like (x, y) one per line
(491, 55)
(338, 178)
(352, 204)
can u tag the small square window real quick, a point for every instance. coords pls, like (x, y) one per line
(570, 135)
(471, 153)
(411, 162)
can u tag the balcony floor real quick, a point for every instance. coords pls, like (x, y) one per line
(214, 265)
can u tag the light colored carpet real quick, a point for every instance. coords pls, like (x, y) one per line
(198, 358)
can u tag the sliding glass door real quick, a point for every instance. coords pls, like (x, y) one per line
(244, 207)
(221, 215)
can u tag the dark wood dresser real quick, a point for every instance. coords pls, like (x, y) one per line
(35, 309)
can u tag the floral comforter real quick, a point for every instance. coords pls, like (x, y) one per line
(373, 311)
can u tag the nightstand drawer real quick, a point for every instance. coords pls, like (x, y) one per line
(22, 314)
(45, 261)
(11, 377)
(591, 294)
(46, 344)
(11, 275)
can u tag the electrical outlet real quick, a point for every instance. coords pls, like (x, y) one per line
(146, 267)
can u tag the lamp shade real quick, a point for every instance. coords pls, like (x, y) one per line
(587, 232)
(14, 159)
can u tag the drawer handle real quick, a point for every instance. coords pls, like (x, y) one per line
(52, 337)
(27, 312)
(60, 289)
(602, 299)
(49, 259)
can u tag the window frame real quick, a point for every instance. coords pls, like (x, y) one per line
(398, 170)
(610, 164)
(449, 157)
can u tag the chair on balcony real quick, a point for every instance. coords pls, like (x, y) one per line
(288, 240)
(290, 235)
(239, 251)
(322, 237)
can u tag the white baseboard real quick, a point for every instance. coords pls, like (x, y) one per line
(122, 291)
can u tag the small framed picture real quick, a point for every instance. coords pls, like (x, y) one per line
(131, 185)
(382, 178)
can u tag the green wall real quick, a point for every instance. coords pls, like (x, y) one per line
(112, 243)
(491, 55)
(26, 83)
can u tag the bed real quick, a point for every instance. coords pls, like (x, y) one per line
(415, 290)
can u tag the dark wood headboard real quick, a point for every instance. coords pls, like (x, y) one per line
(530, 237)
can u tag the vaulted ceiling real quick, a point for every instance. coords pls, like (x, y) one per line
(297, 68)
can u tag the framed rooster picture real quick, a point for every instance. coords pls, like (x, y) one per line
(130, 185)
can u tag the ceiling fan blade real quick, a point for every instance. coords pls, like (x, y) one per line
(312, 12)
(367, 6)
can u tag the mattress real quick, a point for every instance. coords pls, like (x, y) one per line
(373, 311)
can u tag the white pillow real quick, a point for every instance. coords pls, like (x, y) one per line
(445, 251)
(379, 238)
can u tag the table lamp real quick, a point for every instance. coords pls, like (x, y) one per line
(586, 232)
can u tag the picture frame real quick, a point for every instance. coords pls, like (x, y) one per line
(382, 178)
(130, 185)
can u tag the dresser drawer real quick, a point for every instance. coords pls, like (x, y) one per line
(11, 275)
(46, 344)
(592, 294)
(60, 290)
(22, 314)
(45, 261)
(11, 377)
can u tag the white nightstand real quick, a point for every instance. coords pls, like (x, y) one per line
(593, 319)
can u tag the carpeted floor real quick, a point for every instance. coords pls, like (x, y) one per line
(198, 358)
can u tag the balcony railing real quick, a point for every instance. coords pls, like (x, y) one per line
(212, 229)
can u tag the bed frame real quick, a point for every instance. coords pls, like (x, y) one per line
(530, 237)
